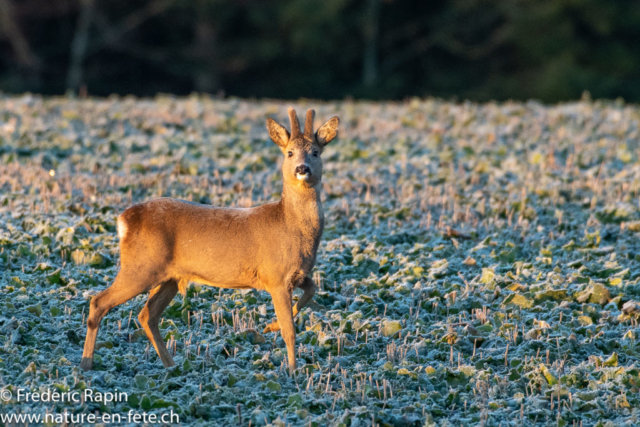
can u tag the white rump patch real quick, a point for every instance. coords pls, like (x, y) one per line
(122, 228)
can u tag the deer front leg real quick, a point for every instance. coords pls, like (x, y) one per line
(282, 304)
(309, 289)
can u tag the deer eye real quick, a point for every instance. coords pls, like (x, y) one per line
(289, 153)
(315, 153)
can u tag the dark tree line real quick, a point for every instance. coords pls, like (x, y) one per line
(479, 49)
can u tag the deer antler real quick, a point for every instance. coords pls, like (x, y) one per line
(295, 125)
(308, 123)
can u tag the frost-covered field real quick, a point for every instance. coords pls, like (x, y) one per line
(480, 263)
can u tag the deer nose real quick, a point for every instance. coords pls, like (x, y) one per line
(303, 170)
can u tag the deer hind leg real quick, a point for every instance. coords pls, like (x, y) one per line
(282, 304)
(309, 289)
(149, 316)
(124, 287)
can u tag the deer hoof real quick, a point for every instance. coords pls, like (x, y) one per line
(168, 363)
(87, 363)
(272, 327)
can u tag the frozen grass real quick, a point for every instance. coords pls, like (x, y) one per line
(479, 264)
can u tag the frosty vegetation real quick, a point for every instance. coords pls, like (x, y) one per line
(479, 265)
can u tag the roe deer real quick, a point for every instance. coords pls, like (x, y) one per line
(166, 243)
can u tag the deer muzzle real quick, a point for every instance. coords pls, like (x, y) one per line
(303, 172)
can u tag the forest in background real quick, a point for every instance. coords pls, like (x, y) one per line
(550, 50)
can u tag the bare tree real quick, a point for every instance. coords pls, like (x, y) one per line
(371, 31)
(111, 34)
(10, 28)
(205, 75)
(114, 33)
(79, 45)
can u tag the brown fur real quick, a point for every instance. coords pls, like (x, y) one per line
(167, 243)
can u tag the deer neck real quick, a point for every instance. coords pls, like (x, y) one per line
(303, 211)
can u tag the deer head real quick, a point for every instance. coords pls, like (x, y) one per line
(302, 167)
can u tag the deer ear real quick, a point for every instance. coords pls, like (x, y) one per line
(327, 131)
(278, 133)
